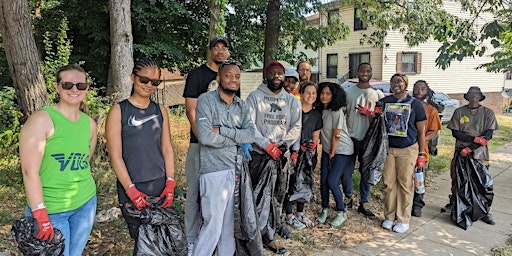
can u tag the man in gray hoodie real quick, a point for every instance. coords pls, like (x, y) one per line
(277, 116)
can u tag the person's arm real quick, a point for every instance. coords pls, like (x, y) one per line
(293, 133)
(334, 141)
(260, 140)
(431, 134)
(33, 135)
(207, 131)
(420, 126)
(94, 138)
(167, 150)
(190, 106)
(114, 146)
(462, 136)
(244, 134)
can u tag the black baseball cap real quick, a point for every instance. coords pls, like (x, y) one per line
(217, 39)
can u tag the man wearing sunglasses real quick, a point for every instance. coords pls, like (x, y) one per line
(199, 81)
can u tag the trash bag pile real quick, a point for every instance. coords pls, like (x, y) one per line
(160, 232)
(247, 232)
(23, 233)
(301, 180)
(474, 191)
(375, 151)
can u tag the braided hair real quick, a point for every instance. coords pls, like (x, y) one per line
(142, 63)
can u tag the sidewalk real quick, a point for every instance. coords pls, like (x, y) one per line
(435, 234)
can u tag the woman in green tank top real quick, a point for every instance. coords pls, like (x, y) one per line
(56, 146)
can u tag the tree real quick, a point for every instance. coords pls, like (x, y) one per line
(121, 55)
(22, 56)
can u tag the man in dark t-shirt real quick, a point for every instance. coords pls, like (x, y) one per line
(199, 81)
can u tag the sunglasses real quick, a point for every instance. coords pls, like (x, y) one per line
(69, 85)
(145, 80)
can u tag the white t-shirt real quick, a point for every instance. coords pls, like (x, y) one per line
(357, 123)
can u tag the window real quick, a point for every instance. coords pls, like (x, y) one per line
(358, 23)
(508, 75)
(333, 17)
(354, 59)
(408, 63)
(332, 65)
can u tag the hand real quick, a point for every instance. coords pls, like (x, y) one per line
(246, 147)
(481, 140)
(378, 110)
(312, 146)
(303, 147)
(331, 155)
(168, 193)
(43, 229)
(420, 161)
(294, 156)
(465, 151)
(273, 150)
(138, 198)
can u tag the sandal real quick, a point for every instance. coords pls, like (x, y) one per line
(272, 246)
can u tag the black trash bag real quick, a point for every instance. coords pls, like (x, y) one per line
(23, 233)
(160, 232)
(375, 151)
(474, 191)
(247, 231)
(301, 180)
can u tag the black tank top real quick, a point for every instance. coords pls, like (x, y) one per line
(141, 135)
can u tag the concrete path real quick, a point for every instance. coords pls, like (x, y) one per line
(435, 234)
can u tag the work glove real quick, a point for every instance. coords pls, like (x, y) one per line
(294, 156)
(273, 150)
(465, 151)
(377, 110)
(420, 162)
(138, 198)
(246, 147)
(364, 111)
(312, 146)
(303, 147)
(168, 193)
(480, 140)
(43, 229)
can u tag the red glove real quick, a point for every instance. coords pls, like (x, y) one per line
(420, 161)
(312, 146)
(294, 157)
(377, 110)
(480, 140)
(303, 147)
(364, 111)
(168, 193)
(273, 150)
(465, 151)
(138, 198)
(44, 229)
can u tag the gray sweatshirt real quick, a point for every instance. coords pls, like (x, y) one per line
(219, 151)
(278, 117)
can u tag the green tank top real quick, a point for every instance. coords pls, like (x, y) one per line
(65, 171)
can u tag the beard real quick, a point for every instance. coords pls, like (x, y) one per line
(226, 90)
(274, 87)
(218, 62)
(422, 98)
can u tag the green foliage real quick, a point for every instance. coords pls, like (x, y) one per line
(9, 122)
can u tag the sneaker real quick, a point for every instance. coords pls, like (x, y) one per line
(323, 216)
(447, 208)
(365, 212)
(305, 220)
(416, 212)
(488, 219)
(190, 248)
(339, 219)
(401, 227)
(284, 232)
(294, 222)
(349, 204)
(387, 224)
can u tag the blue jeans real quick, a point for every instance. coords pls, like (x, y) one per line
(364, 186)
(75, 225)
(329, 178)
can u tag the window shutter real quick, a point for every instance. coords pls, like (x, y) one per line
(418, 63)
(399, 62)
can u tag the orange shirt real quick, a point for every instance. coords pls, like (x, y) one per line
(433, 123)
(296, 92)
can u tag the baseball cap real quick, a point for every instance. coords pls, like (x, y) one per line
(274, 64)
(290, 72)
(217, 39)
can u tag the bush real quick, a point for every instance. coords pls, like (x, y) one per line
(9, 122)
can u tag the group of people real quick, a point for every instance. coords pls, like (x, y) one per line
(273, 136)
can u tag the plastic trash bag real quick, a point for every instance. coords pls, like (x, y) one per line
(247, 231)
(375, 151)
(23, 233)
(160, 232)
(301, 180)
(474, 191)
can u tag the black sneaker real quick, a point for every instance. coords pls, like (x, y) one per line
(284, 232)
(447, 208)
(365, 212)
(416, 212)
(349, 204)
(488, 219)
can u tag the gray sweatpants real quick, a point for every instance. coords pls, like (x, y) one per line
(192, 213)
(217, 199)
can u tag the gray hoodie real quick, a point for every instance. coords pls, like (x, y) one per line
(277, 117)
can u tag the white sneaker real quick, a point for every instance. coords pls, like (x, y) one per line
(401, 227)
(190, 248)
(305, 220)
(387, 224)
(294, 222)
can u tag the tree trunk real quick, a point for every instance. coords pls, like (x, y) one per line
(119, 84)
(217, 20)
(272, 29)
(22, 56)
